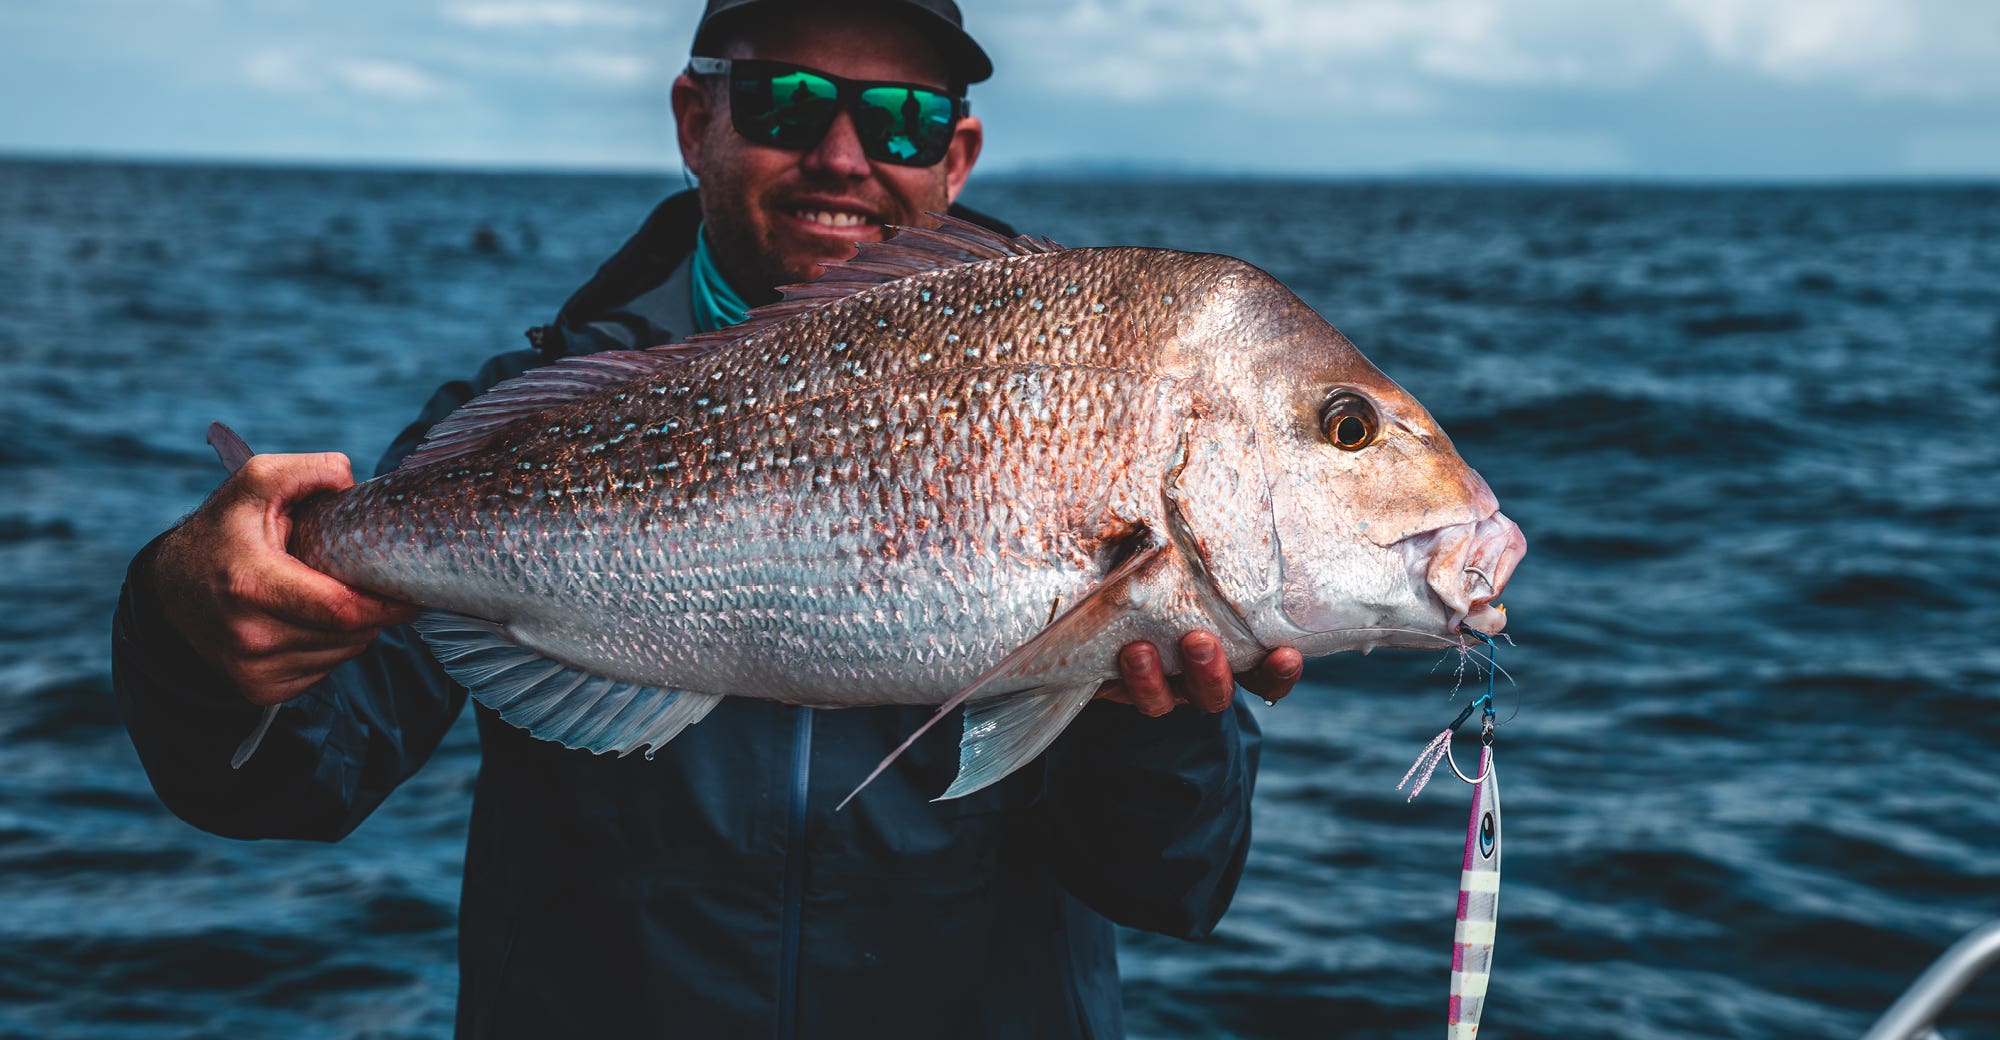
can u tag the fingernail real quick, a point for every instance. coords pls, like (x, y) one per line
(1201, 652)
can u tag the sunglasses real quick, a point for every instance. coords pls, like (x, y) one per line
(790, 106)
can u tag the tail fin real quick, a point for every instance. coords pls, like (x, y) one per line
(256, 737)
(234, 453)
(228, 446)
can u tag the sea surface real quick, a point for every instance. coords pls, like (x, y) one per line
(1750, 751)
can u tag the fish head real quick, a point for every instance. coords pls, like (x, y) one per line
(1386, 536)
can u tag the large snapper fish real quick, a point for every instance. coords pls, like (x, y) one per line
(957, 469)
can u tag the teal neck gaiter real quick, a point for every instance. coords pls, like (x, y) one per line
(716, 305)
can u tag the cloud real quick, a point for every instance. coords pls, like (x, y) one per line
(609, 69)
(1669, 87)
(1931, 48)
(389, 79)
(1388, 53)
(1388, 56)
(547, 14)
(1796, 40)
(287, 70)
(279, 70)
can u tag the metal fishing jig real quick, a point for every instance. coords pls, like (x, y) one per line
(1479, 875)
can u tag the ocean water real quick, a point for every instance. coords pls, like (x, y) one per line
(1749, 750)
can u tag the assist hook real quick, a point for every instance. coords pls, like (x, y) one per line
(1483, 702)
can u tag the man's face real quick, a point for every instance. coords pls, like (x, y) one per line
(774, 215)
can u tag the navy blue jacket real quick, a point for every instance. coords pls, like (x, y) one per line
(712, 891)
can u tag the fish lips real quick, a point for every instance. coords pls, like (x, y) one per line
(1467, 566)
(1456, 574)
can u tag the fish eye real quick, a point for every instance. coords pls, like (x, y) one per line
(1349, 421)
(1486, 835)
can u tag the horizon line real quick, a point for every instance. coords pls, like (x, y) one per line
(1046, 169)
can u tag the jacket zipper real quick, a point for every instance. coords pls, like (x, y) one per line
(795, 875)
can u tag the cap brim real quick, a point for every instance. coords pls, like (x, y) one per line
(962, 54)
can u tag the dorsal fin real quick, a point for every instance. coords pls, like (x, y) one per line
(911, 250)
(537, 389)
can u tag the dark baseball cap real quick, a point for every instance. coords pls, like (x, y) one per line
(938, 19)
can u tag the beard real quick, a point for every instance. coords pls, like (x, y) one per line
(760, 243)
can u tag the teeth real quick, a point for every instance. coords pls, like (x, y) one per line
(830, 218)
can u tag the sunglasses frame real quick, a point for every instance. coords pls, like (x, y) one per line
(847, 96)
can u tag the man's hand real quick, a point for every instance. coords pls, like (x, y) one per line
(225, 582)
(1204, 682)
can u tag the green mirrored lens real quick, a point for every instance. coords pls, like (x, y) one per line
(790, 110)
(903, 124)
(787, 106)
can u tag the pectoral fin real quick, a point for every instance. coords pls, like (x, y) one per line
(1051, 649)
(1006, 733)
(557, 701)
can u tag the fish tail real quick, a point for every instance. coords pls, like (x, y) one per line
(233, 452)
(256, 737)
(228, 446)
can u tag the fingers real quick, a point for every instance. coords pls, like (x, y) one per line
(1205, 679)
(1113, 691)
(271, 662)
(268, 622)
(1144, 682)
(281, 586)
(263, 577)
(1275, 678)
(263, 637)
(270, 658)
(274, 680)
(255, 505)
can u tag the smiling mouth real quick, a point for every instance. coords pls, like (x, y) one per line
(832, 218)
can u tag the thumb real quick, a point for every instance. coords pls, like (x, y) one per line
(269, 487)
(280, 481)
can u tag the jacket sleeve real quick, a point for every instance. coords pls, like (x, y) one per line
(1149, 819)
(332, 754)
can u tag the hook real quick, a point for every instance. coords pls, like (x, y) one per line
(1485, 740)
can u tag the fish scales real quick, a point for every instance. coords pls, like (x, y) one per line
(798, 513)
(962, 470)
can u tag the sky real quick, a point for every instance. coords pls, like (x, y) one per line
(1760, 89)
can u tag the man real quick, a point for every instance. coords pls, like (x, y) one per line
(711, 891)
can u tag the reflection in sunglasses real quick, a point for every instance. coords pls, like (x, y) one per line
(789, 106)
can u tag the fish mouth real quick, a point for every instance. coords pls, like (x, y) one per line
(1466, 567)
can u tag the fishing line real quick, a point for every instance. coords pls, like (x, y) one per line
(1439, 751)
(1492, 661)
